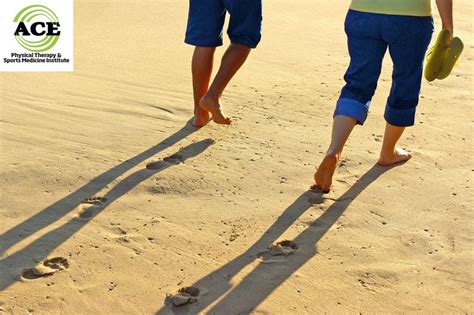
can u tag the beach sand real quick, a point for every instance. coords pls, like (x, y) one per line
(396, 240)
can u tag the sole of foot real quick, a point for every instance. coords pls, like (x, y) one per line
(324, 174)
(214, 108)
(398, 156)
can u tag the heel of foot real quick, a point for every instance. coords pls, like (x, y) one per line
(207, 105)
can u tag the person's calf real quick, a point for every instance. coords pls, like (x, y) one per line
(202, 64)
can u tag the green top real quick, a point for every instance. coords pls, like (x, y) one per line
(395, 7)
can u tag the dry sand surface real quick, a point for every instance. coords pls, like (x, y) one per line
(384, 241)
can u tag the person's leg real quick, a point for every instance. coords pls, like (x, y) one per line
(232, 60)
(366, 50)
(204, 30)
(341, 129)
(244, 33)
(202, 63)
(410, 37)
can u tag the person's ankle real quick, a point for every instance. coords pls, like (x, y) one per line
(332, 154)
(387, 152)
(211, 96)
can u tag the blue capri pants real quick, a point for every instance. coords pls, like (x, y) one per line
(369, 36)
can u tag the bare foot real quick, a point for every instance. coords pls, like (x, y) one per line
(201, 117)
(214, 108)
(398, 156)
(325, 172)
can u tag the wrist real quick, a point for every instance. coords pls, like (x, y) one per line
(448, 27)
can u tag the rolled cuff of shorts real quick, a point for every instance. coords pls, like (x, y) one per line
(352, 108)
(190, 40)
(248, 41)
(400, 117)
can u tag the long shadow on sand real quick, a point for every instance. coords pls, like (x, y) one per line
(265, 278)
(12, 265)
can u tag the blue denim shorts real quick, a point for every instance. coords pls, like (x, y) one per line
(369, 35)
(206, 21)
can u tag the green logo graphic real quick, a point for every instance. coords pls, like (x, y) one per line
(37, 29)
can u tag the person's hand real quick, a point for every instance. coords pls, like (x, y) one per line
(451, 36)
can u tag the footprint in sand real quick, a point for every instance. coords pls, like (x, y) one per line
(95, 203)
(46, 268)
(377, 280)
(377, 138)
(184, 296)
(172, 159)
(277, 251)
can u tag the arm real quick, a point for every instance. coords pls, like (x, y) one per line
(445, 8)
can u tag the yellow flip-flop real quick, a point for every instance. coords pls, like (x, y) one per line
(435, 57)
(452, 56)
(442, 57)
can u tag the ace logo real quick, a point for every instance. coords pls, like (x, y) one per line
(40, 35)
(36, 36)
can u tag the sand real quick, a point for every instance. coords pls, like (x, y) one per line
(211, 201)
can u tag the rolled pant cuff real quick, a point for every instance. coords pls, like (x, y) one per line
(352, 108)
(202, 43)
(400, 117)
(245, 40)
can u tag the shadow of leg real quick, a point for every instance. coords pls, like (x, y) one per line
(264, 279)
(62, 207)
(217, 283)
(13, 265)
